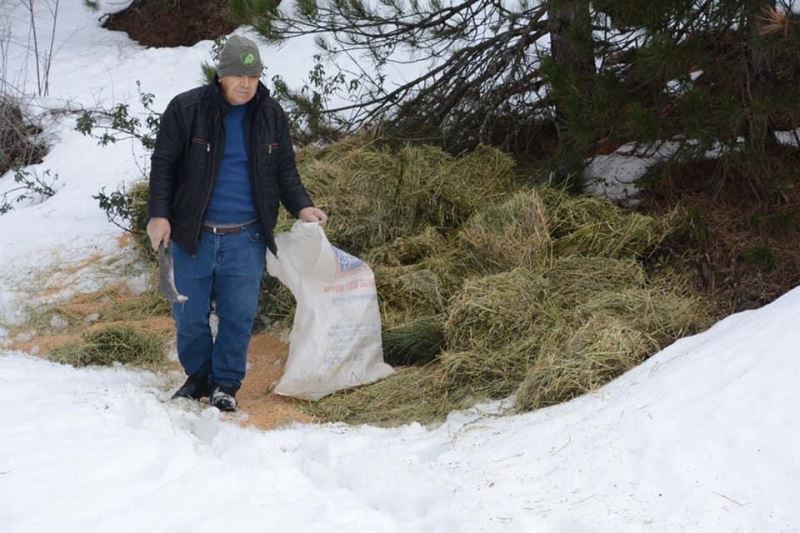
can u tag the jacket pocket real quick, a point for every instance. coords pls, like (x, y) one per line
(198, 160)
(267, 158)
(203, 143)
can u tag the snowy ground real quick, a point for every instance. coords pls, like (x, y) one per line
(703, 437)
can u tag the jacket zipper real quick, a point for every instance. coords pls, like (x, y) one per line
(251, 157)
(213, 177)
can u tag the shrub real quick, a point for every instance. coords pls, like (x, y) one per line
(19, 145)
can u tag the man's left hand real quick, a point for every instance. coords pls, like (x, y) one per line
(312, 214)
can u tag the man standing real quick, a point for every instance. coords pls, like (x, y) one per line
(223, 160)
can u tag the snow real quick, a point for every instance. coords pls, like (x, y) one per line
(702, 437)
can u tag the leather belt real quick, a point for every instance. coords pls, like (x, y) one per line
(226, 230)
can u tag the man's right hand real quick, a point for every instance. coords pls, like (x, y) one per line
(158, 229)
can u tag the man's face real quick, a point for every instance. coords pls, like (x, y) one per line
(238, 90)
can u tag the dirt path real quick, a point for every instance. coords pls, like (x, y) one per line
(266, 357)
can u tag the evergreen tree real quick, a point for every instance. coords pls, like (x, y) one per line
(717, 74)
(710, 72)
(483, 81)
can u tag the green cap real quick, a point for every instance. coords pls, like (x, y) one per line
(239, 57)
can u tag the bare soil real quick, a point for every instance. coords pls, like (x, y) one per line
(266, 357)
(743, 251)
(167, 23)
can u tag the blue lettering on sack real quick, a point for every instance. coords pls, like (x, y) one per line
(346, 261)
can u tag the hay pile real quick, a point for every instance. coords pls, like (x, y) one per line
(496, 288)
(379, 194)
(114, 344)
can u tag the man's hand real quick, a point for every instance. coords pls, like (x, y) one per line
(158, 229)
(312, 214)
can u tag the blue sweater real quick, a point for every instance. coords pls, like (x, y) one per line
(232, 198)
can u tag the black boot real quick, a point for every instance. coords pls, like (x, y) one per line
(195, 387)
(224, 399)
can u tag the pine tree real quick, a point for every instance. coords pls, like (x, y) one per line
(483, 83)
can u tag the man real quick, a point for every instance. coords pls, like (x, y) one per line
(222, 161)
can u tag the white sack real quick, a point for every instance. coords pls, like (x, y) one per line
(335, 341)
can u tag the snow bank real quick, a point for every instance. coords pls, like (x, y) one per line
(702, 437)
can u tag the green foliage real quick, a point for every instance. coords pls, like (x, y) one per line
(110, 126)
(712, 73)
(696, 226)
(142, 307)
(245, 11)
(778, 223)
(259, 13)
(31, 186)
(209, 70)
(761, 257)
(767, 173)
(629, 14)
(711, 76)
(307, 107)
(126, 208)
(413, 344)
(482, 88)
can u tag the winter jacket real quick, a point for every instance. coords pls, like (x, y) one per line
(188, 153)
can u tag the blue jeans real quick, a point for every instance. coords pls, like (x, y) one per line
(227, 269)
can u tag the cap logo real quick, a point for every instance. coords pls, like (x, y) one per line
(248, 59)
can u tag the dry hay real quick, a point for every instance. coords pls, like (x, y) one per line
(482, 177)
(489, 374)
(146, 305)
(376, 194)
(565, 307)
(114, 344)
(411, 394)
(662, 313)
(594, 226)
(372, 195)
(406, 293)
(276, 303)
(611, 331)
(494, 310)
(503, 326)
(592, 355)
(407, 250)
(508, 235)
(570, 280)
(452, 268)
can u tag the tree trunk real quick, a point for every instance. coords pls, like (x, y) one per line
(572, 51)
(759, 68)
(571, 43)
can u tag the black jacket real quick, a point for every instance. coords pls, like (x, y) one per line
(188, 154)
